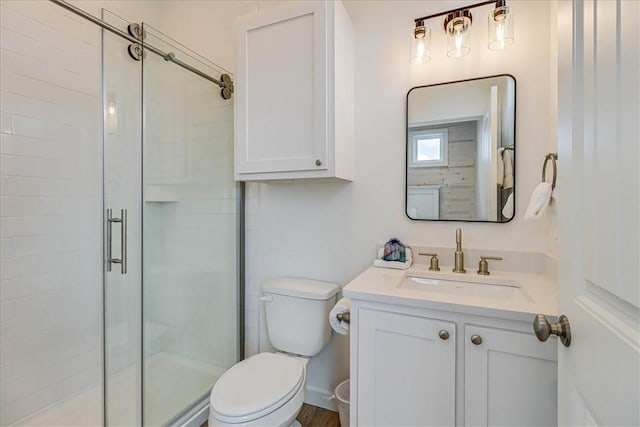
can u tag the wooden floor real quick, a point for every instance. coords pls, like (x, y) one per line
(313, 416)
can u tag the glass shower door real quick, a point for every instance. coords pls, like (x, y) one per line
(122, 228)
(190, 234)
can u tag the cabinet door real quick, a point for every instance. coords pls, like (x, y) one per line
(509, 380)
(281, 90)
(406, 372)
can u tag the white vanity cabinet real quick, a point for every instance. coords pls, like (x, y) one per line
(294, 93)
(421, 367)
(510, 378)
(396, 384)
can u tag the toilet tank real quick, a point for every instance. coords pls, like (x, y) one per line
(297, 313)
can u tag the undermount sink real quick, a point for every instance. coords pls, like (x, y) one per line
(466, 287)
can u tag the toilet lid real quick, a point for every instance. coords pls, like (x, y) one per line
(256, 386)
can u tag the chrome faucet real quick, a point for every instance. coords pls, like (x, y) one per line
(458, 266)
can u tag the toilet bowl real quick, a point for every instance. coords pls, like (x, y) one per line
(264, 390)
(268, 389)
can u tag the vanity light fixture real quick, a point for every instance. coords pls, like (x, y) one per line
(457, 26)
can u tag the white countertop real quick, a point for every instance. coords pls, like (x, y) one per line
(382, 285)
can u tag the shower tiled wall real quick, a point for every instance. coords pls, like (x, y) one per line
(191, 218)
(50, 292)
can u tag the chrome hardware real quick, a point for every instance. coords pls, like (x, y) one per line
(476, 339)
(458, 265)
(137, 31)
(123, 240)
(444, 335)
(435, 263)
(134, 39)
(344, 317)
(135, 51)
(318, 162)
(543, 329)
(227, 86)
(483, 266)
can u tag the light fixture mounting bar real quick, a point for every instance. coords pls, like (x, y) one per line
(472, 6)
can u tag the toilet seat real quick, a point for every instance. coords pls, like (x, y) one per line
(256, 387)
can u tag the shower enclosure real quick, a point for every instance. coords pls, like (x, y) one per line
(140, 310)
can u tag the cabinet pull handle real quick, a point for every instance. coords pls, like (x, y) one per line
(476, 339)
(318, 162)
(444, 335)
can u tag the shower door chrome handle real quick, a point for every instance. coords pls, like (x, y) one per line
(123, 240)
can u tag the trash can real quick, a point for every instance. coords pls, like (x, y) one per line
(342, 396)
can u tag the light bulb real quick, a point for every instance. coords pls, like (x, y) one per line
(458, 40)
(458, 25)
(500, 28)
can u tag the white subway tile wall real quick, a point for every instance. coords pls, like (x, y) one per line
(191, 220)
(50, 214)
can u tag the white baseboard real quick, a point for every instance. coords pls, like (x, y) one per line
(322, 398)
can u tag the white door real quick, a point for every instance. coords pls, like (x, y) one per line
(599, 92)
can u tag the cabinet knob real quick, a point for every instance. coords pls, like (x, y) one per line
(444, 335)
(318, 162)
(543, 329)
(476, 339)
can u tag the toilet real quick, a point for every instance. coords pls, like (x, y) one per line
(268, 389)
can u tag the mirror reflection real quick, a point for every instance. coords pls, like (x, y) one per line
(461, 150)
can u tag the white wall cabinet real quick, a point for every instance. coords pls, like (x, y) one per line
(294, 93)
(404, 373)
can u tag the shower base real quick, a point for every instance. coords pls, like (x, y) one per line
(173, 383)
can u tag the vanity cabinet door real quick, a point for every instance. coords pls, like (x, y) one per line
(406, 371)
(510, 378)
(293, 99)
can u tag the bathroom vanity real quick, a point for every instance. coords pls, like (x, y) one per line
(440, 348)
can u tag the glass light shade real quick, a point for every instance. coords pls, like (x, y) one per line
(458, 40)
(420, 45)
(500, 28)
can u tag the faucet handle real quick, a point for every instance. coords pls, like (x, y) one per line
(435, 263)
(483, 266)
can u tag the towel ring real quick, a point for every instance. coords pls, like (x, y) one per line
(553, 157)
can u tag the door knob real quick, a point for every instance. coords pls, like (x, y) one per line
(544, 329)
